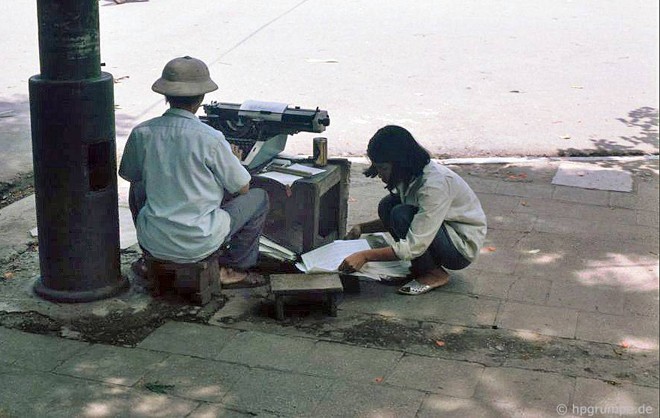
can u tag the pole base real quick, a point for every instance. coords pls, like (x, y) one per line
(78, 296)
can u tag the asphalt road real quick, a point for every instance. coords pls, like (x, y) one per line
(468, 78)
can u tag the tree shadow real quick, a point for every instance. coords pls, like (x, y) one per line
(644, 118)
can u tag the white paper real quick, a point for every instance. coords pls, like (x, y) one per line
(275, 250)
(327, 259)
(257, 109)
(284, 178)
(306, 169)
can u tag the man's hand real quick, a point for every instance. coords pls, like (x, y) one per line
(237, 151)
(353, 262)
(354, 233)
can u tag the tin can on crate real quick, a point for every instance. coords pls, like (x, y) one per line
(320, 155)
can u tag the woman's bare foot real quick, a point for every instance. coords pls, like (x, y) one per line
(229, 275)
(434, 278)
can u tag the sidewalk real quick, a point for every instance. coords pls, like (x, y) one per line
(560, 311)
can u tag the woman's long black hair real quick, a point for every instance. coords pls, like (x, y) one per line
(395, 145)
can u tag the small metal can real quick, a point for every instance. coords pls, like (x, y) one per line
(320, 155)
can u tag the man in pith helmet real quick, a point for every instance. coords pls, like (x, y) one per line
(189, 192)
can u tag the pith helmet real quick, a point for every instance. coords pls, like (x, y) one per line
(184, 76)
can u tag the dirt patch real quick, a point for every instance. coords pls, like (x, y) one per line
(16, 189)
(122, 328)
(124, 320)
(130, 328)
(387, 333)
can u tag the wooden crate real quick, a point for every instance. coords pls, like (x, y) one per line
(312, 212)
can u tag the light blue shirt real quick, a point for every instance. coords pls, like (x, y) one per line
(185, 166)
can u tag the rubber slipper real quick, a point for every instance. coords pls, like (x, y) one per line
(415, 288)
(251, 280)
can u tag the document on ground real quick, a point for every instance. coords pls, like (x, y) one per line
(327, 259)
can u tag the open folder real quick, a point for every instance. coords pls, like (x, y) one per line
(326, 259)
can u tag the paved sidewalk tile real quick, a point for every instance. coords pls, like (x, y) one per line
(496, 204)
(587, 297)
(491, 284)
(439, 305)
(560, 322)
(642, 303)
(194, 378)
(581, 195)
(37, 352)
(638, 331)
(517, 392)
(481, 185)
(604, 215)
(217, 410)
(511, 287)
(277, 392)
(189, 339)
(448, 377)
(370, 400)
(435, 406)
(499, 253)
(544, 208)
(534, 190)
(266, 350)
(648, 218)
(530, 290)
(645, 197)
(560, 257)
(347, 362)
(611, 400)
(586, 227)
(519, 222)
(116, 365)
(628, 278)
(37, 394)
(16, 220)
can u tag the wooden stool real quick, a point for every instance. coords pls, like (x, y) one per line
(282, 285)
(198, 281)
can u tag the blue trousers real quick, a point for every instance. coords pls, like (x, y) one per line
(397, 218)
(248, 216)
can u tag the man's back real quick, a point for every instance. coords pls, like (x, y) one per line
(185, 167)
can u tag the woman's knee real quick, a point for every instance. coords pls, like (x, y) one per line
(401, 217)
(385, 207)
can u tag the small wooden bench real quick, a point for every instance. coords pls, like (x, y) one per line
(197, 281)
(282, 285)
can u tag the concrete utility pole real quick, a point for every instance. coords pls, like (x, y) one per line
(73, 147)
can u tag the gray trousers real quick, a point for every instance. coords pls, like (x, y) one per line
(397, 218)
(248, 215)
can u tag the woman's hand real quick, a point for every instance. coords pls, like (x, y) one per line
(355, 232)
(353, 262)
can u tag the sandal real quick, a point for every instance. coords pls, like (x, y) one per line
(415, 288)
(251, 280)
(139, 267)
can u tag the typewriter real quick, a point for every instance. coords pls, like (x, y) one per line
(260, 129)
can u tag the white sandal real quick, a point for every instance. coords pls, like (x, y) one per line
(414, 288)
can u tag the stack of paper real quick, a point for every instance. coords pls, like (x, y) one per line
(288, 173)
(274, 250)
(327, 259)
